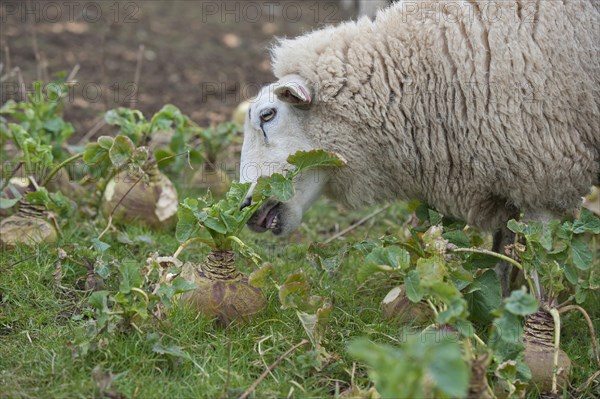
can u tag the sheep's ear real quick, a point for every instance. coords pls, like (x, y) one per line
(293, 89)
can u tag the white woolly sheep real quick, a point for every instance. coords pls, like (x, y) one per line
(482, 109)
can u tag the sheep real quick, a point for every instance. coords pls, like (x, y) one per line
(484, 110)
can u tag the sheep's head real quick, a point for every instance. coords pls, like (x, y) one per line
(275, 128)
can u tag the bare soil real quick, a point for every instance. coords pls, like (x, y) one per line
(203, 56)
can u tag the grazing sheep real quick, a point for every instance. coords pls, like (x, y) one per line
(482, 109)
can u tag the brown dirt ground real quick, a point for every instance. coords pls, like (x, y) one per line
(202, 56)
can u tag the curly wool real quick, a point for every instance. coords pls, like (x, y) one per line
(480, 111)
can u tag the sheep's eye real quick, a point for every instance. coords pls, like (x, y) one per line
(267, 114)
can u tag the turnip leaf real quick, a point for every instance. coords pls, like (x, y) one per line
(304, 160)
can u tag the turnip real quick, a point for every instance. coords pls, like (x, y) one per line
(397, 307)
(135, 190)
(544, 360)
(28, 226)
(556, 263)
(555, 260)
(221, 290)
(146, 196)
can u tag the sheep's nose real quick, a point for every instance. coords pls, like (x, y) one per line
(247, 202)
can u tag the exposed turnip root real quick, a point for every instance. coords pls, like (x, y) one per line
(222, 292)
(397, 307)
(27, 226)
(539, 342)
(132, 197)
(478, 385)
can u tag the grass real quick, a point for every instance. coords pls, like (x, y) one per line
(41, 319)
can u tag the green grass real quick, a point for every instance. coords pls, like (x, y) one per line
(42, 319)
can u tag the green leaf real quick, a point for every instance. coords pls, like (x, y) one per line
(394, 256)
(102, 270)
(431, 270)
(39, 197)
(94, 154)
(237, 193)
(581, 254)
(172, 350)
(294, 291)
(455, 310)
(570, 273)
(449, 370)
(587, 223)
(215, 224)
(465, 328)
(99, 300)
(121, 151)
(105, 142)
(262, 189)
(517, 227)
(140, 155)
(100, 246)
(521, 303)
(181, 285)
(6, 203)
(304, 160)
(259, 277)
(281, 188)
(366, 270)
(506, 339)
(187, 224)
(414, 292)
(423, 366)
(434, 217)
(130, 276)
(324, 258)
(230, 222)
(484, 295)
(507, 370)
(458, 238)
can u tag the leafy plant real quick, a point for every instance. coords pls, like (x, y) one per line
(223, 291)
(41, 118)
(216, 138)
(176, 128)
(224, 220)
(430, 364)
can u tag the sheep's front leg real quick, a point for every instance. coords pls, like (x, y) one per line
(502, 238)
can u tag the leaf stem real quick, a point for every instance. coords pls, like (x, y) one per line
(564, 309)
(190, 241)
(504, 258)
(59, 167)
(435, 311)
(490, 253)
(556, 317)
(479, 340)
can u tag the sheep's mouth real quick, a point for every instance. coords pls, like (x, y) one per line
(267, 218)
